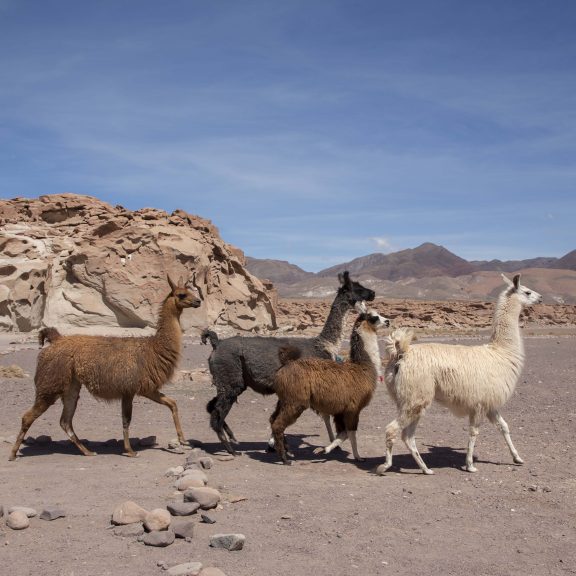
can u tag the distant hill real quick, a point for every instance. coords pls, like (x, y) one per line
(428, 272)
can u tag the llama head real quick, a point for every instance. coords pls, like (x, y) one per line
(525, 296)
(372, 318)
(183, 296)
(352, 291)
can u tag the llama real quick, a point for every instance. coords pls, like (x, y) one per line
(242, 362)
(111, 368)
(338, 389)
(469, 380)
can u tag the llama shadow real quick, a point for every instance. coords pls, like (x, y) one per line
(109, 447)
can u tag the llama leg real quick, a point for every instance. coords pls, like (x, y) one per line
(328, 426)
(392, 431)
(41, 404)
(286, 415)
(160, 398)
(340, 438)
(472, 435)
(271, 443)
(126, 419)
(352, 426)
(69, 401)
(501, 424)
(408, 434)
(218, 408)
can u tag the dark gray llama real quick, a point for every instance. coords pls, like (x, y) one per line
(244, 362)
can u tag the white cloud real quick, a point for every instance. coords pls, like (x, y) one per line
(383, 244)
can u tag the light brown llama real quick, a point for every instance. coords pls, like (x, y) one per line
(330, 388)
(110, 368)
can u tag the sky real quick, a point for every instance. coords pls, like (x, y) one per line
(312, 131)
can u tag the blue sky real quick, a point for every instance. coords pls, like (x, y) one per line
(312, 131)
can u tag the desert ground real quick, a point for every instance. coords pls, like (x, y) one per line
(324, 515)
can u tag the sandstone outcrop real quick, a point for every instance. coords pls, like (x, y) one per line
(75, 262)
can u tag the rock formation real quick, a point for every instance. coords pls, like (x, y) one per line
(75, 262)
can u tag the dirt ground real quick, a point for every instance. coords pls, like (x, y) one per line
(323, 515)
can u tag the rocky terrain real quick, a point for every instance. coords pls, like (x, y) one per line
(75, 262)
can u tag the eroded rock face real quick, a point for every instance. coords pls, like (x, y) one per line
(74, 262)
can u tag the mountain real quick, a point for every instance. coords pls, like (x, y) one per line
(277, 271)
(515, 265)
(425, 261)
(568, 262)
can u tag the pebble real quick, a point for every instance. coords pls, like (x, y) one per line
(129, 530)
(207, 519)
(228, 541)
(190, 481)
(187, 569)
(182, 508)
(17, 520)
(30, 512)
(207, 497)
(183, 529)
(225, 457)
(51, 513)
(158, 538)
(157, 519)
(128, 513)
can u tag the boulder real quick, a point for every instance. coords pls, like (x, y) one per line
(128, 513)
(75, 262)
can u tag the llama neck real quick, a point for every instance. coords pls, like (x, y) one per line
(364, 348)
(506, 326)
(331, 335)
(168, 337)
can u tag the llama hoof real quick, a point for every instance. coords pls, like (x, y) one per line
(360, 459)
(287, 462)
(382, 469)
(320, 450)
(428, 471)
(518, 460)
(131, 454)
(471, 469)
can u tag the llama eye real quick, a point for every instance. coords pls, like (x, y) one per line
(528, 293)
(181, 296)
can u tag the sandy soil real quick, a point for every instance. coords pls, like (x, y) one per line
(320, 516)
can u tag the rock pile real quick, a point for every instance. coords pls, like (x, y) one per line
(74, 262)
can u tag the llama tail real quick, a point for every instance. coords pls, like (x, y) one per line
(209, 335)
(288, 354)
(48, 334)
(398, 343)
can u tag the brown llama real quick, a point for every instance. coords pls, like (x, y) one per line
(110, 368)
(330, 388)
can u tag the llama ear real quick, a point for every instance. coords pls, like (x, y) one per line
(171, 282)
(516, 281)
(507, 280)
(344, 277)
(181, 282)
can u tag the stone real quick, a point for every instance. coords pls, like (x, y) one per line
(206, 462)
(157, 519)
(207, 497)
(182, 508)
(194, 455)
(17, 520)
(159, 538)
(191, 479)
(30, 512)
(211, 571)
(73, 261)
(128, 513)
(228, 541)
(51, 513)
(183, 529)
(129, 530)
(187, 569)
(174, 471)
(207, 519)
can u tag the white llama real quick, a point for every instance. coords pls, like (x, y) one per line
(469, 380)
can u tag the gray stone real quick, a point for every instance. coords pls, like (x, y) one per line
(228, 541)
(207, 497)
(30, 512)
(17, 520)
(158, 538)
(183, 529)
(191, 479)
(182, 508)
(187, 569)
(129, 530)
(174, 471)
(206, 462)
(194, 456)
(51, 513)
